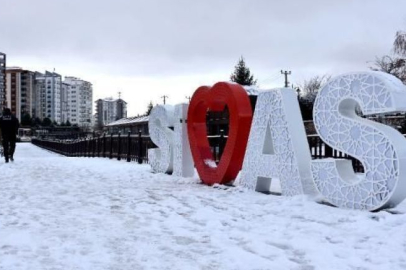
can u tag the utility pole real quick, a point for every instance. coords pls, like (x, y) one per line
(188, 97)
(119, 95)
(286, 73)
(164, 97)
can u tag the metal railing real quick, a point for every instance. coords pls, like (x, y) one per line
(319, 149)
(132, 147)
(128, 147)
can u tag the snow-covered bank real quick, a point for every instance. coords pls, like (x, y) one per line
(83, 213)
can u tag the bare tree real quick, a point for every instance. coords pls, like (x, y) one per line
(399, 45)
(310, 87)
(395, 66)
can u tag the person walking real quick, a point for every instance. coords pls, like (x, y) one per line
(9, 128)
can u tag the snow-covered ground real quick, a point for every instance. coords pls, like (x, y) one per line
(82, 213)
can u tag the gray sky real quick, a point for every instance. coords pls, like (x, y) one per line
(149, 48)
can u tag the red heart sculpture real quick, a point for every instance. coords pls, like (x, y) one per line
(215, 99)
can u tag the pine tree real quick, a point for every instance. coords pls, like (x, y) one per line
(149, 108)
(36, 122)
(242, 74)
(46, 122)
(26, 120)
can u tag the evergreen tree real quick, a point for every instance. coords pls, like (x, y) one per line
(36, 122)
(242, 74)
(26, 120)
(149, 108)
(46, 122)
(394, 65)
(68, 124)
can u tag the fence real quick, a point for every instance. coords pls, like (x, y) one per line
(319, 149)
(128, 147)
(135, 148)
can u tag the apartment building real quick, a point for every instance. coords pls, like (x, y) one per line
(109, 110)
(45, 95)
(19, 91)
(47, 103)
(2, 81)
(77, 101)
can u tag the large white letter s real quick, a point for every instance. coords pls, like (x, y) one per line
(160, 119)
(380, 148)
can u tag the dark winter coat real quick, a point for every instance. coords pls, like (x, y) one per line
(9, 127)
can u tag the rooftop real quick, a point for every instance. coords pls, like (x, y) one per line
(110, 99)
(129, 120)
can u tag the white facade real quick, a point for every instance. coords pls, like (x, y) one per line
(48, 96)
(64, 102)
(76, 102)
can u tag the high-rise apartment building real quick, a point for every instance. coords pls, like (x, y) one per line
(77, 101)
(64, 102)
(47, 103)
(109, 110)
(2, 81)
(27, 92)
(44, 95)
(19, 91)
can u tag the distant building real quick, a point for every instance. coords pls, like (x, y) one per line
(2, 81)
(64, 102)
(77, 101)
(44, 95)
(47, 103)
(121, 109)
(109, 110)
(134, 125)
(20, 91)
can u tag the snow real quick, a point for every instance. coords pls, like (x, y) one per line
(93, 213)
(252, 90)
(210, 163)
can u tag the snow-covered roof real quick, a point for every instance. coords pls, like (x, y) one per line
(128, 120)
(252, 90)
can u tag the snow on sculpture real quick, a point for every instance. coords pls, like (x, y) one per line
(160, 119)
(277, 146)
(380, 148)
(182, 160)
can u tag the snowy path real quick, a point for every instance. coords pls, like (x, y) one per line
(82, 213)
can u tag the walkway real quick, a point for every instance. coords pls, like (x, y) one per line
(82, 213)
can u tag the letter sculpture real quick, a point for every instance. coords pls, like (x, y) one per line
(277, 146)
(215, 99)
(380, 148)
(182, 160)
(160, 119)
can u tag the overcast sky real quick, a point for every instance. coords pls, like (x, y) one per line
(149, 48)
